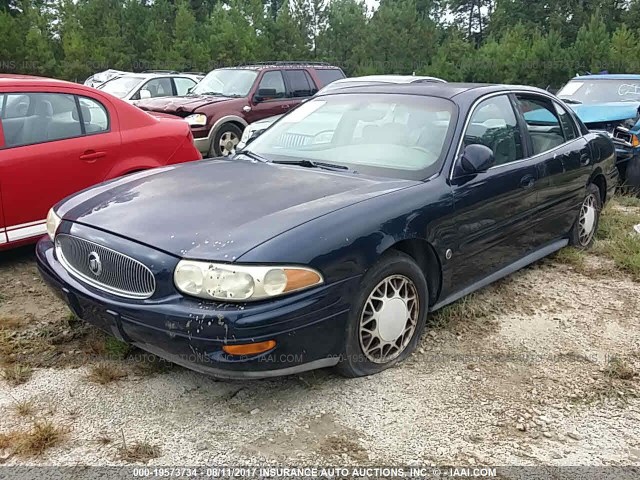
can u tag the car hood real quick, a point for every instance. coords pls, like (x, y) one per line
(179, 105)
(218, 209)
(606, 112)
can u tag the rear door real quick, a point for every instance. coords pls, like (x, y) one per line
(300, 86)
(494, 208)
(56, 143)
(554, 139)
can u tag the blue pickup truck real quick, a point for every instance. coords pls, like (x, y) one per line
(612, 103)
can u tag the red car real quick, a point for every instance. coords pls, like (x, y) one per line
(57, 138)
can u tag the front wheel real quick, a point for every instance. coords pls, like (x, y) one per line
(225, 141)
(387, 317)
(584, 230)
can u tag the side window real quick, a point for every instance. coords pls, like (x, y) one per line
(272, 85)
(300, 83)
(183, 85)
(94, 116)
(328, 75)
(493, 124)
(158, 87)
(568, 124)
(29, 118)
(542, 122)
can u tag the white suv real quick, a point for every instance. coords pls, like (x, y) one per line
(138, 86)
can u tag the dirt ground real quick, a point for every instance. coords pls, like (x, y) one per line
(540, 368)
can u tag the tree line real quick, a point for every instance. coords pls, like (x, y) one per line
(531, 42)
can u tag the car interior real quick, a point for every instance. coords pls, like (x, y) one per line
(40, 117)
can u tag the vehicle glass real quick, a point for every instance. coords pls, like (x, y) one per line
(183, 85)
(493, 124)
(274, 82)
(230, 82)
(542, 122)
(568, 125)
(328, 75)
(94, 116)
(600, 91)
(30, 118)
(399, 136)
(299, 83)
(121, 86)
(158, 87)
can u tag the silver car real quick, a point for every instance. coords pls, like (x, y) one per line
(138, 86)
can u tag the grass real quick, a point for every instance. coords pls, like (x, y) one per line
(571, 256)
(114, 348)
(24, 408)
(35, 441)
(468, 308)
(17, 374)
(138, 451)
(617, 239)
(628, 200)
(106, 372)
(620, 369)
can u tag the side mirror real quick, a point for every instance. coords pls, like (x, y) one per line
(477, 158)
(144, 94)
(255, 134)
(265, 94)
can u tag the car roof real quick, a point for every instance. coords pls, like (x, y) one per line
(609, 76)
(391, 79)
(443, 90)
(283, 65)
(11, 80)
(147, 76)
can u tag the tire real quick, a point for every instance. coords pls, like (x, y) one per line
(632, 174)
(227, 135)
(396, 275)
(584, 229)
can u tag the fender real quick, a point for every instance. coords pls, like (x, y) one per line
(222, 120)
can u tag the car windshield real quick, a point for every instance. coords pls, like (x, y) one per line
(228, 82)
(600, 91)
(399, 136)
(120, 87)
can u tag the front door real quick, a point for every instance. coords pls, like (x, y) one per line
(269, 97)
(493, 208)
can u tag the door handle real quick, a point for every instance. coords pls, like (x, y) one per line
(527, 181)
(92, 155)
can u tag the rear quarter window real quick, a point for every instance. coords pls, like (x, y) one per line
(328, 75)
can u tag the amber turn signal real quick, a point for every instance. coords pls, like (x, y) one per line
(249, 348)
(298, 279)
(634, 140)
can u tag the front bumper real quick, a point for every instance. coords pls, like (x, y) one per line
(308, 327)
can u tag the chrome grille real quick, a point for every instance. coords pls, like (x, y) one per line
(294, 140)
(112, 271)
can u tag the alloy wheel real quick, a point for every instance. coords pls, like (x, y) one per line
(587, 220)
(389, 319)
(227, 143)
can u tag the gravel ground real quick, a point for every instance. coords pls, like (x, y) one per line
(521, 373)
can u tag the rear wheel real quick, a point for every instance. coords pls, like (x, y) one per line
(584, 230)
(387, 317)
(225, 141)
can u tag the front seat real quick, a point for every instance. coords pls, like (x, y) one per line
(36, 125)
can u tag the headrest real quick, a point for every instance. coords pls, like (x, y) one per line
(44, 109)
(86, 114)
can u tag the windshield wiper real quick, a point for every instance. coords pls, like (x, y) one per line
(251, 155)
(571, 100)
(312, 164)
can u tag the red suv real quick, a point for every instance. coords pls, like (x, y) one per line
(228, 99)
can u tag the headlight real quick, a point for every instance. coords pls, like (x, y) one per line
(230, 282)
(246, 135)
(53, 222)
(199, 119)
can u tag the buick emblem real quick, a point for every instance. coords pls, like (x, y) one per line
(95, 264)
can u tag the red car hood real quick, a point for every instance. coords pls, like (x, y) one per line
(178, 105)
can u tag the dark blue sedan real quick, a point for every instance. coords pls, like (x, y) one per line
(333, 235)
